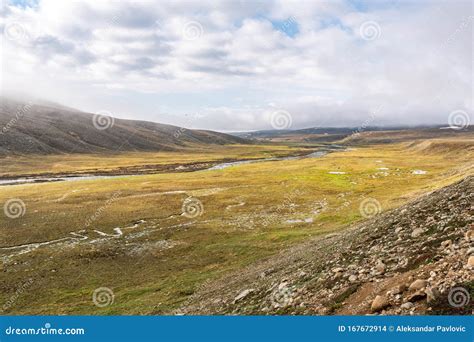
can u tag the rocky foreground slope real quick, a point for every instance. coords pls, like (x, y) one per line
(417, 259)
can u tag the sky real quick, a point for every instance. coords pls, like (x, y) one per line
(245, 65)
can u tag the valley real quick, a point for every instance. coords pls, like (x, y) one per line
(155, 240)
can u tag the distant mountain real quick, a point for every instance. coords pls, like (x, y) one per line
(355, 135)
(47, 128)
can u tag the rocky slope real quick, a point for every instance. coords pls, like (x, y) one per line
(417, 259)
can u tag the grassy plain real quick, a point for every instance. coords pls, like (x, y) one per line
(249, 212)
(92, 163)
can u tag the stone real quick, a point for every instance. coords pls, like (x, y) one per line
(470, 261)
(418, 295)
(418, 284)
(432, 293)
(470, 235)
(399, 289)
(353, 278)
(417, 232)
(243, 294)
(338, 270)
(446, 243)
(379, 303)
(380, 267)
(407, 305)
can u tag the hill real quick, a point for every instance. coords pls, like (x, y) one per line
(46, 128)
(357, 136)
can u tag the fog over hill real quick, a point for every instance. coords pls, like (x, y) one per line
(47, 128)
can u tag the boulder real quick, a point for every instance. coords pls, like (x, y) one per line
(379, 303)
(418, 284)
(243, 294)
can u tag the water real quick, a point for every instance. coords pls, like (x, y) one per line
(24, 180)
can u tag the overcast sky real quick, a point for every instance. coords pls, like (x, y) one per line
(242, 64)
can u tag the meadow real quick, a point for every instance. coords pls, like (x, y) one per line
(154, 239)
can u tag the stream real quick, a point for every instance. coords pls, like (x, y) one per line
(220, 166)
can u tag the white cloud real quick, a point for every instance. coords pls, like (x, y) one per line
(131, 57)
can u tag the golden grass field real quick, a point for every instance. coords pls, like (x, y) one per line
(249, 212)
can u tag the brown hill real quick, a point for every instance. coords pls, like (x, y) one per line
(44, 128)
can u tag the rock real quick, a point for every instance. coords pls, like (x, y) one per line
(470, 251)
(353, 278)
(470, 261)
(418, 284)
(446, 243)
(380, 267)
(399, 289)
(243, 294)
(432, 293)
(407, 305)
(417, 232)
(379, 303)
(338, 270)
(419, 295)
(470, 235)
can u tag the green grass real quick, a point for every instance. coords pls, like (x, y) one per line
(156, 281)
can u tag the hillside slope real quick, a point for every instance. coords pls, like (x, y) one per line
(43, 128)
(417, 259)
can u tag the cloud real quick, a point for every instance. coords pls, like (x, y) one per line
(326, 63)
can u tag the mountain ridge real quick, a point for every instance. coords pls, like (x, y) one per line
(41, 128)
